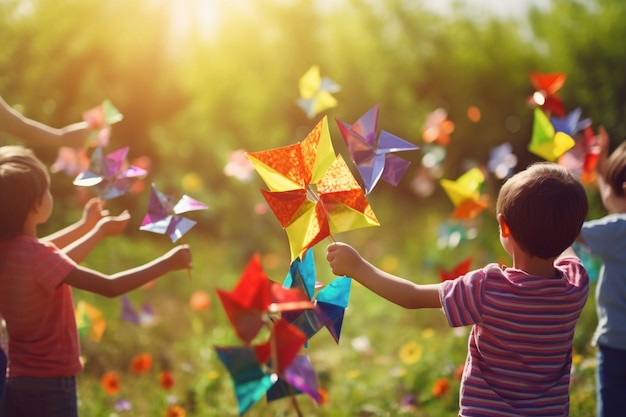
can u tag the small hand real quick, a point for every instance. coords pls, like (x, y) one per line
(93, 212)
(343, 259)
(113, 225)
(179, 257)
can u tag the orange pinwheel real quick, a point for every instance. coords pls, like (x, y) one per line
(312, 191)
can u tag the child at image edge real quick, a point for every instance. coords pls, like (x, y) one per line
(36, 276)
(523, 317)
(606, 239)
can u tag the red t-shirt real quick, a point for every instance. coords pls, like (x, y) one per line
(38, 309)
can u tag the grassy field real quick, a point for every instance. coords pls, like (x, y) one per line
(389, 361)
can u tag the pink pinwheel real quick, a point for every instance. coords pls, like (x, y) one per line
(111, 175)
(99, 119)
(163, 215)
(374, 158)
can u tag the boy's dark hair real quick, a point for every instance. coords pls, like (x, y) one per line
(544, 207)
(23, 182)
(615, 172)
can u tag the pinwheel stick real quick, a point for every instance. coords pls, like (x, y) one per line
(274, 352)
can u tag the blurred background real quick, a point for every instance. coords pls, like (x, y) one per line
(200, 81)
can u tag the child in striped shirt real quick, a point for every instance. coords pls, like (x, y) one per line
(36, 276)
(523, 317)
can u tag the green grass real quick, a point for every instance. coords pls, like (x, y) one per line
(358, 381)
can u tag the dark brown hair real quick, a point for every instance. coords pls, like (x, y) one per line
(615, 172)
(23, 182)
(544, 207)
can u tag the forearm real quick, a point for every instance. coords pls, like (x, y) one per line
(68, 235)
(397, 290)
(78, 249)
(120, 283)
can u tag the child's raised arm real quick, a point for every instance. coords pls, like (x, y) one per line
(125, 281)
(345, 260)
(32, 131)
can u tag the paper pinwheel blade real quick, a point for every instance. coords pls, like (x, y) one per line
(143, 317)
(163, 215)
(279, 351)
(111, 175)
(90, 321)
(316, 92)
(374, 158)
(250, 382)
(312, 192)
(502, 160)
(100, 119)
(299, 377)
(254, 297)
(546, 87)
(545, 141)
(571, 123)
(459, 269)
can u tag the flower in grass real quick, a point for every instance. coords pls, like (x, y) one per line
(408, 403)
(411, 352)
(175, 411)
(111, 383)
(141, 363)
(123, 405)
(353, 374)
(200, 301)
(441, 387)
(428, 333)
(166, 379)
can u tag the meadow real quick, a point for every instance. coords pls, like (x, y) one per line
(389, 361)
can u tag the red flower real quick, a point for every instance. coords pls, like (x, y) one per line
(441, 387)
(200, 300)
(175, 411)
(141, 363)
(111, 383)
(166, 379)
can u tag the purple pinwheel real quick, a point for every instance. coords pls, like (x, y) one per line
(111, 175)
(373, 158)
(163, 215)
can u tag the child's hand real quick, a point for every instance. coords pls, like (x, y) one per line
(344, 260)
(93, 212)
(113, 225)
(179, 257)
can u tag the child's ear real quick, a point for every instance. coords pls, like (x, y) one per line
(504, 227)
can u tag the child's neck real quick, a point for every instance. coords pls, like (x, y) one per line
(533, 265)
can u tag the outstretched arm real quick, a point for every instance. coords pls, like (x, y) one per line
(346, 261)
(32, 131)
(125, 281)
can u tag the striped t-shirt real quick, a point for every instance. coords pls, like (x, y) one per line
(520, 347)
(38, 309)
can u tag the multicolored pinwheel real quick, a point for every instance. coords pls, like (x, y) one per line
(99, 119)
(143, 317)
(546, 142)
(545, 95)
(111, 175)
(330, 302)
(257, 302)
(90, 321)
(374, 157)
(163, 215)
(312, 191)
(466, 193)
(316, 92)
